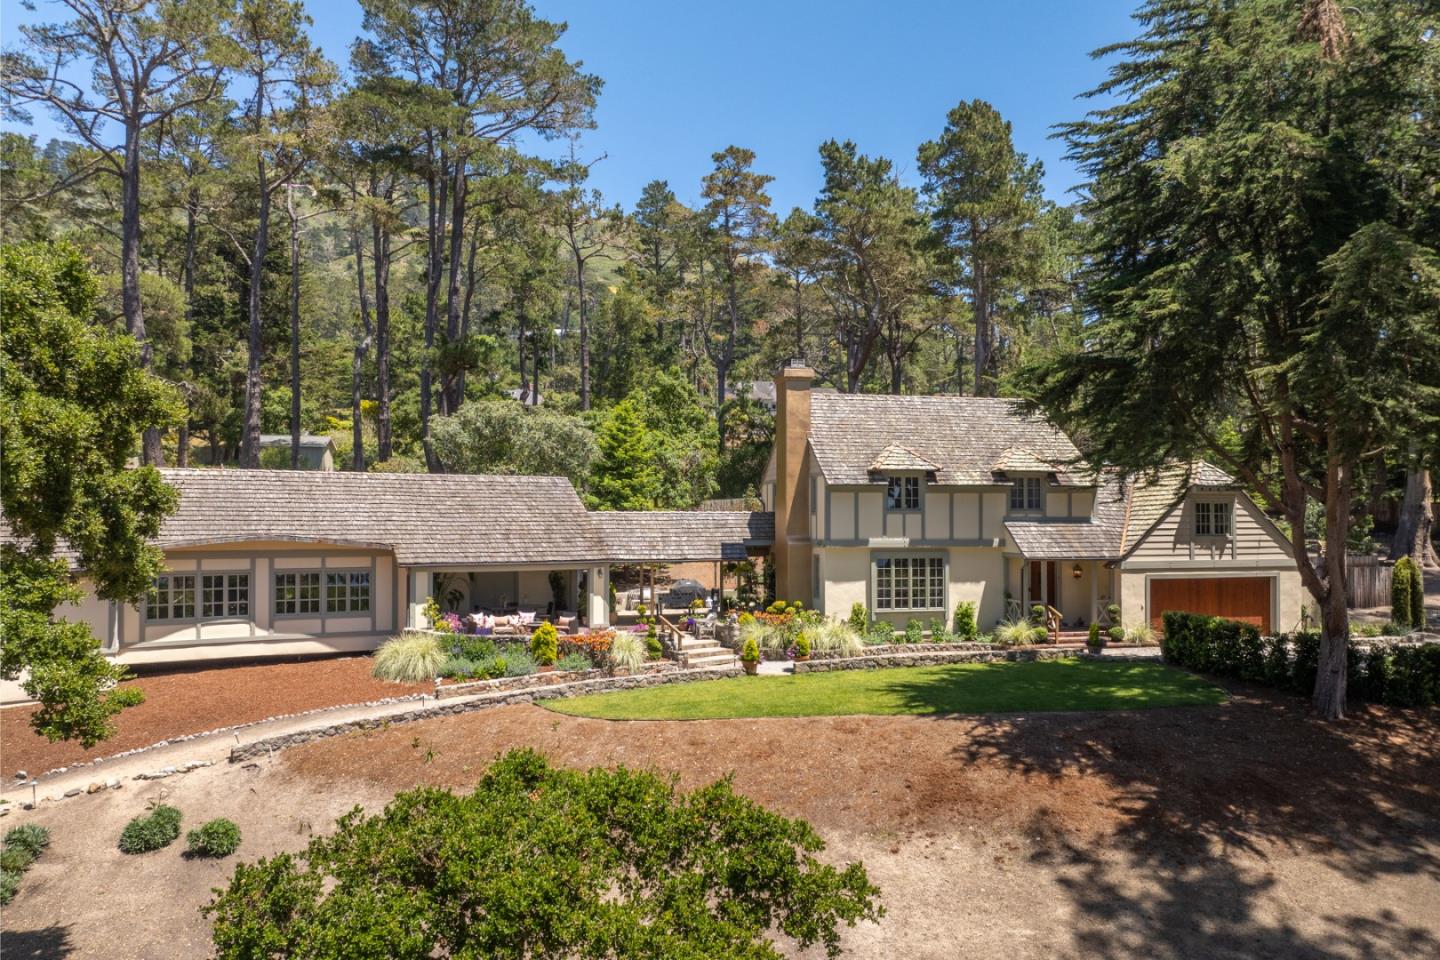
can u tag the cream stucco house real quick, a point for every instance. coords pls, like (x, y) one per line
(910, 505)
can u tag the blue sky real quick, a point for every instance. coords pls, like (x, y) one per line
(685, 79)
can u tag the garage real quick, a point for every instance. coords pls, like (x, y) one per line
(1238, 598)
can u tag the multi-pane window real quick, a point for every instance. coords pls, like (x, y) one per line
(172, 598)
(297, 593)
(910, 583)
(1025, 494)
(902, 493)
(225, 595)
(1212, 519)
(347, 592)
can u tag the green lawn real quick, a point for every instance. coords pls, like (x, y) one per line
(953, 688)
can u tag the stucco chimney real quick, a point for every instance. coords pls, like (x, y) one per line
(792, 550)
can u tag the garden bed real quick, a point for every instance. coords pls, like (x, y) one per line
(465, 688)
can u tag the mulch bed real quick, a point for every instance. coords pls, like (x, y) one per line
(194, 701)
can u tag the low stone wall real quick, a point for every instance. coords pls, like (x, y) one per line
(884, 649)
(531, 681)
(917, 655)
(456, 706)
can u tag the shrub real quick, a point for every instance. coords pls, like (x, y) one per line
(1013, 633)
(412, 657)
(1116, 634)
(1093, 639)
(1402, 586)
(16, 859)
(627, 651)
(28, 836)
(574, 661)
(1365, 629)
(750, 652)
(1140, 633)
(914, 631)
(591, 860)
(965, 627)
(746, 619)
(1037, 613)
(802, 644)
(159, 828)
(516, 663)
(880, 632)
(545, 644)
(472, 648)
(9, 886)
(1112, 612)
(654, 650)
(218, 838)
(938, 633)
(859, 618)
(457, 668)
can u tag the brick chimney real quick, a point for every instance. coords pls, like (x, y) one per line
(792, 551)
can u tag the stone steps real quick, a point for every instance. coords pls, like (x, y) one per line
(707, 655)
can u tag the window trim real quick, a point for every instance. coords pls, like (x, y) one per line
(1035, 484)
(906, 480)
(170, 602)
(928, 558)
(276, 574)
(1214, 510)
(349, 610)
(247, 617)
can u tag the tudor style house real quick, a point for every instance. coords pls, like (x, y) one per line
(910, 505)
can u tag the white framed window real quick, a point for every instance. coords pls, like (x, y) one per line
(1212, 518)
(910, 583)
(902, 493)
(347, 592)
(297, 593)
(225, 595)
(172, 597)
(1026, 494)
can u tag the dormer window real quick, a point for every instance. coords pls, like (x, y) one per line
(1212, 519)
(902, 493)
(1025, 495)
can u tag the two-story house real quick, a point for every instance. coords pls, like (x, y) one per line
(910, 505)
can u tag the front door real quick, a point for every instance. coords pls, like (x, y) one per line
(1051, 596)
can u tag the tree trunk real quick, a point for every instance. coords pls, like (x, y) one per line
(524, 374)
(584, 323)
(357, 360)
(981, 310)
(182, 447)
(294, 328)
(1330, 680)
(435, 250)
(383, 442)
(449, 398)
(1414, 531)
(250, 439)
(150, 453)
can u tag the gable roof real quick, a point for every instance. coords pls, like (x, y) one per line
(895, 457)
(963, 437)
(1152, 497)
(423, 518)
(1095, 538)
(678, 536)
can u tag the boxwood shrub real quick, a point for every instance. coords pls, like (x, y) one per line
(1399, 676)
(159, 828)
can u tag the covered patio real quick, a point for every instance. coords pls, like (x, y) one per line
(1065, 566)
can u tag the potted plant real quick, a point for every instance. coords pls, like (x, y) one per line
(802, 648)
(545, 646)
(750, 656)
(1095, 640)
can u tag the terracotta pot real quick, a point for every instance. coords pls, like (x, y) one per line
(800, 659)
(750, 666)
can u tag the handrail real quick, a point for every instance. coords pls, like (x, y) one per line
(1053, 619)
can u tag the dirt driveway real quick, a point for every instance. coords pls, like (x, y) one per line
(1241, 831)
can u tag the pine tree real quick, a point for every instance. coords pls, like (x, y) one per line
(625, 477)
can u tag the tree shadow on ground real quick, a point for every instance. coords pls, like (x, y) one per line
(1205, 797)
(45, 943)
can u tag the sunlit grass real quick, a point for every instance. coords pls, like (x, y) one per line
(953, 688)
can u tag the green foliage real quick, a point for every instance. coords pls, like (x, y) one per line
(159, 828)
(1093, 638)
(914, 630)
(627, 651)
(1401, 676)
(505, 437)
(30, 837)
(1116, 633)
(545, 644)
(682, 439)
(653, 648)
(73, 402)
(9, 886)
(516, 662)
(16, 859)
(574, 661)
(412, 657)
(802, 644)
(750, 651)
(836, 638)
(624, 476)
(879, 633)
(859, 617)
(546, 862)
(1407, 594)
(217, 838)
(1014, 633)
(965, 627)
(1139, 633)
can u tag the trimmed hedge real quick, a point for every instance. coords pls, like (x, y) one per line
(1398, 676)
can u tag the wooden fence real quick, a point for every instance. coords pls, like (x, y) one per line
(1367, 580)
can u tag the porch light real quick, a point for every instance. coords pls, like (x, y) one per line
(1075, 571)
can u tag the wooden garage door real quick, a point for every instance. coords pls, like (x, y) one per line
(1239, 598)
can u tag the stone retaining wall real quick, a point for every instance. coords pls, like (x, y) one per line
(883, 649)
(531, 681)
(916, 656)
(267, 745)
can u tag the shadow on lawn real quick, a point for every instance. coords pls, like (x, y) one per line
(1195, 786)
